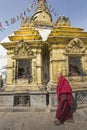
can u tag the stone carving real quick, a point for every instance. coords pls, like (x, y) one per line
(75, 46)
(51, 86)
(23, 50)
(21, 100)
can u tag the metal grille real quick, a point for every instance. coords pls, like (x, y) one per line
(22, 100)
(81, 97)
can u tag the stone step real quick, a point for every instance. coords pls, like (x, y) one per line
(23, 109)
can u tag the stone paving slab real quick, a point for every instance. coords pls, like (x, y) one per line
(40, 121)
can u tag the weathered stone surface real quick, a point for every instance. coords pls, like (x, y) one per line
(53, 99)
(38, 99)
(6, 100)
(40, 121)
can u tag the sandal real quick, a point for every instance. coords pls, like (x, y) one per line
(70, 120)
(57, 122)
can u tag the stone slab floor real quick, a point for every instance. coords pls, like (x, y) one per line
(40, 121)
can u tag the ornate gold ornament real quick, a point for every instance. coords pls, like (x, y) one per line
(23, 50)
(75, 46)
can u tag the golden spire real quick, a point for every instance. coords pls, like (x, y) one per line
(42, 14)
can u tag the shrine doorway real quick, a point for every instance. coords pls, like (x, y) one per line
(23, 69)
(45, 62)
(75, 66)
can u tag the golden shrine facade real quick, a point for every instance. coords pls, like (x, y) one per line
(32, 64)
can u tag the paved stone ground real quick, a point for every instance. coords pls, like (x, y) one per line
(40, 121)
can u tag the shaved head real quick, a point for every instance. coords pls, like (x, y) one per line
(59, 74)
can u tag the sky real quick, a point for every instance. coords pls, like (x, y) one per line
(76, 10)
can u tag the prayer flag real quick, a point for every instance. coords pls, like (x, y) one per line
(24, 13)
(14, 20)
(0, 24)
(7, 23)
(1, 30)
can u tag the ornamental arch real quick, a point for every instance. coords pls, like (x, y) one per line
(75, 52)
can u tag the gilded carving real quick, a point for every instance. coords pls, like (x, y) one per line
(75, 46)
(23, 50)
(23, 22)
(63, 21)
(27, 22)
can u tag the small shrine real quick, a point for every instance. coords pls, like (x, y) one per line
(68, 52)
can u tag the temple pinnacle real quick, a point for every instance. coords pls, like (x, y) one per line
(42, 14)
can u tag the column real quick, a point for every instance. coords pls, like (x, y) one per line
(9, 67)
(39, 67)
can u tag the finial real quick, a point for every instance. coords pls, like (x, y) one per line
(63, 21)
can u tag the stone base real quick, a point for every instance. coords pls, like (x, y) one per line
(6, 99)
(53, 99)
(38, 99)
(23, 99)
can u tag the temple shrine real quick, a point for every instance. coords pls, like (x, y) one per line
(36, 51)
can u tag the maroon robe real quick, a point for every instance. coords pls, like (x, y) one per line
(64, 94)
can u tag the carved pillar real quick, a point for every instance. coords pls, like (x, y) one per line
(57, 61)
(9, 67)
(39, 67)
(51, 66)
(13, 73)
(34, 71)
(85, 64)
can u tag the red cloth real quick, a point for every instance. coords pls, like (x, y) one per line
(64, 111)
(63, 87)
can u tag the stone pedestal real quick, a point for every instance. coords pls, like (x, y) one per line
(6, 99)
(53, 99)
(38, 99)
(53, 102)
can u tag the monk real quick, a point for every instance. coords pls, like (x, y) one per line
(64, 95)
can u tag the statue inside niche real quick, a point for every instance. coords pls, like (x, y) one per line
(74, 70)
